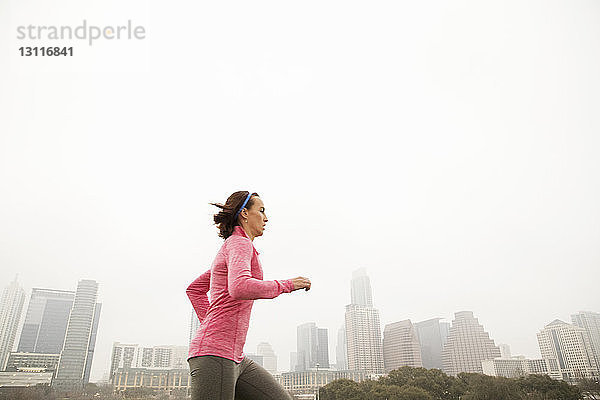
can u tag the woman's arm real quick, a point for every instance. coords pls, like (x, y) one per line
(240, 283)
(197, 292)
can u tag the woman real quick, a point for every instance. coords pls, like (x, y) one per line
(218, 367)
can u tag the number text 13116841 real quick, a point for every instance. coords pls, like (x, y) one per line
(45, 51)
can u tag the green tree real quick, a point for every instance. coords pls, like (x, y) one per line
(439, 385)
(179, 393)
(412, 393)
(341, 389)
(590, 388)
(138, 392)
(544, 387)
(374, 390)
(344, 389)
(91, 389)
(37, 392)
(484, 387)
(408, 383)
(107, 391)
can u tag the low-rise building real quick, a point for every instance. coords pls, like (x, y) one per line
(514, 367)
(156, 357)
(32, 362)
(167, 380)
(15, 379)
(309, 382)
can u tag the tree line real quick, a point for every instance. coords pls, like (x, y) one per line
(409, 383)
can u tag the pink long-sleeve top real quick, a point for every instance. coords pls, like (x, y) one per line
(234, 281)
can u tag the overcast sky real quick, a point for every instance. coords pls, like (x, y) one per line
(450, 148)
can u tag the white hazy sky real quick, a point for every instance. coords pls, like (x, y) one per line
(450, 148)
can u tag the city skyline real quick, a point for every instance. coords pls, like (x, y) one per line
(331, 340)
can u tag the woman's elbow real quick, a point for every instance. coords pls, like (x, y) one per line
(191, 293)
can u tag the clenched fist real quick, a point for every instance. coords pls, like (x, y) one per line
(301, 283)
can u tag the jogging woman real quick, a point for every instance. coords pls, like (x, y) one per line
(218, 368)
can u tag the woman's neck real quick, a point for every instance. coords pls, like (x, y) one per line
(245, 228)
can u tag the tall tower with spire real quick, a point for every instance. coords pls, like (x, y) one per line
(363, 329)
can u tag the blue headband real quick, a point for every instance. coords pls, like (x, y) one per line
(243, 205)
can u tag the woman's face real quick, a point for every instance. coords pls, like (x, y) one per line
(257, 218)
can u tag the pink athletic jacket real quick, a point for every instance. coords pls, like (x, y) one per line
(234, 280)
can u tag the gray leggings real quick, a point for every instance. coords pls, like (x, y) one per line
(217, 378)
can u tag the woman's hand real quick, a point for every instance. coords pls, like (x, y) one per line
(301, 283)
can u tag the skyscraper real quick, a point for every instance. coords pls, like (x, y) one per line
(340, 350)
(401, 346)
(92, 343)
(312, 347)
(360, 288)
(72, 366)
(363, 329)
(265, 350)
(432, 335)
(467, 346)
(194, 325)
(293, 361)
(570, 346)
(590, 321)
(11, 307)
(322, 348)
(46, 321)
(306, 346)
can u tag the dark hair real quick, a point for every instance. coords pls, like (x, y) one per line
(225, 219)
